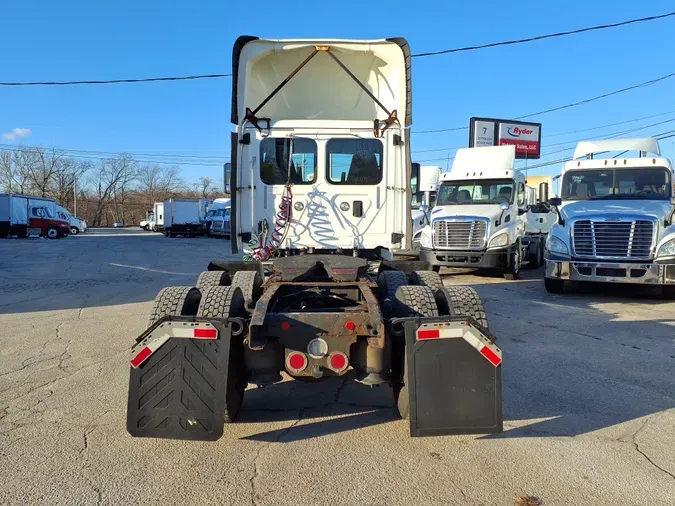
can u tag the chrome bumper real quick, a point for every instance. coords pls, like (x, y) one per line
(642, 274)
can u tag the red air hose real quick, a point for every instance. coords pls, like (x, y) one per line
(282, 224)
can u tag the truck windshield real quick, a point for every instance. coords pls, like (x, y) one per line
(482, 191)
(617, 184)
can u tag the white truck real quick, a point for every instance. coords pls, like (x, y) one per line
(217, 220)
(23, 215)
(480, 217)
(183, 217)
(149, 221)
(615, 217)
(424, 185)
(76, 224)
(158, 213)
(320, 187)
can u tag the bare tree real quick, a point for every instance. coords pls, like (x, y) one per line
(12, 178)
(204, 187)
(68, 175)
(158, 183)
(111, 181)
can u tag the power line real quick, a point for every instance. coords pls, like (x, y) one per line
(116, 81)
(418, 55)
(200, 158)
(542, 37)
(566, 106)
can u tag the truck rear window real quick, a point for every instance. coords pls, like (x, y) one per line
(354, 161)
(274, 163)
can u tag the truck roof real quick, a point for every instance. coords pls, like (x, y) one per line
(321, 90)
(647, 144)
(490, 162)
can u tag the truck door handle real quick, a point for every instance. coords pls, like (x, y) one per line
(357, 208)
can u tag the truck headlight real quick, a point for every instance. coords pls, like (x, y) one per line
(499, 241)
(667, 249)
(425, 240)
(556, 245)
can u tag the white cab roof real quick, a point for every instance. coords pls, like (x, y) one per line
(491, 162)
(648, 144)
(321, 90)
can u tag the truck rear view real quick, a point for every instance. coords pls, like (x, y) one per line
(320, 202)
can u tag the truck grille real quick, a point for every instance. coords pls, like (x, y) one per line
(460, 235)
(620, 239)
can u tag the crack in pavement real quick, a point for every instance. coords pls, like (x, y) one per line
(641, 452)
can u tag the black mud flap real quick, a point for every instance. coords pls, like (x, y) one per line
(178, 391)
(455, 377)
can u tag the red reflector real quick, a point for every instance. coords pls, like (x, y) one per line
(205, 333)
(350, 325)
(285, 326)
(338, 361)
(428, 334)
(297, 361)
(142, 356)
(493, 358)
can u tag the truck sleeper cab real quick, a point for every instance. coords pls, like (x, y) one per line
(615, 217)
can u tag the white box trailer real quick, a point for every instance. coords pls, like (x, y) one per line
(158, 212)
(183, 217)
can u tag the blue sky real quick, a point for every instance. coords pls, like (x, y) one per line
(76, 39)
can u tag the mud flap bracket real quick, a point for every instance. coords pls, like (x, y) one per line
(454, 376)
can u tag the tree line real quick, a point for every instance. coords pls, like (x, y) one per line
(103, 191)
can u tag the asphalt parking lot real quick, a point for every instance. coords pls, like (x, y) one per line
(589, 398)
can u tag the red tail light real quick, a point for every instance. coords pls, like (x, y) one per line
(350, 325)
(338, 361)
(296, 361)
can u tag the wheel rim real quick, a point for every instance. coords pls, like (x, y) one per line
(73, 231)
(51, 233)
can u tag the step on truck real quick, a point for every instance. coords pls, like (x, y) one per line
(22, 215)
(480, 217)
(320, 203)
(615, 217)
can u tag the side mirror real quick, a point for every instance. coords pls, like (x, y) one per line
(555, 201)
(504, 206)
(425, 210)
(227, 174)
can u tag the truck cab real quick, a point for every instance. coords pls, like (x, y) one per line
(479, 220)
(615, 217)
(324, 152)
(424, 187)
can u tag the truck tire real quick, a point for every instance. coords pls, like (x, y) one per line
(175, 300)
(74, 230)
(53, 233)
(213, 278)
(427, 278)
(390, 281)
(513, 270)
(411, 301)
(465, 301)
(554, 285)
(228, 302)
(250, 283)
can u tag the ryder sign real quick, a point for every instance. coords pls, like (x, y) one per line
(525, 136)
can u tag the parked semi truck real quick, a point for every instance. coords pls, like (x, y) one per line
(615, 217)
(217, 220)
(22, 215)
(424, 185)
(149, 221)
(480, 217)
(321, 196)
(183, 217)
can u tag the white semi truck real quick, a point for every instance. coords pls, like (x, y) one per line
(615, 217)
(480, 218)
(217, 220)
(424, 185)
(320, 187)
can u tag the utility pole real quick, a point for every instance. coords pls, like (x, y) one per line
(75, 196)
